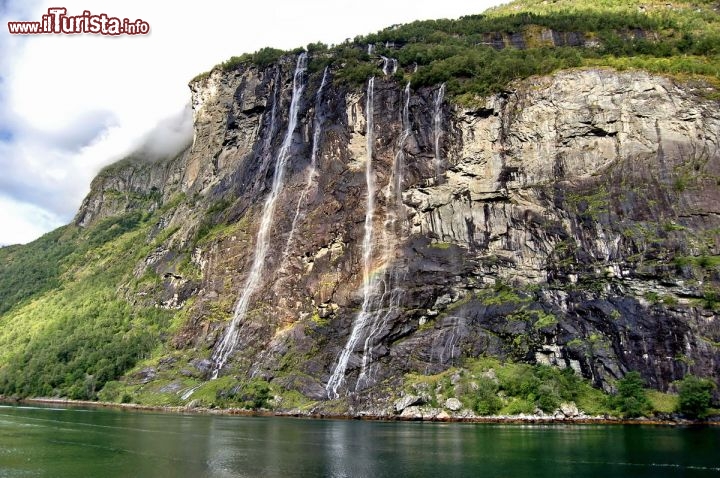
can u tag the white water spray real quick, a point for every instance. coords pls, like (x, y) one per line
(381, 292)
(399, 162)
(437, 129)
(312, 172)
(390, 65)
(187, 393)
(227, 344)
(386, 288)
(338, 375)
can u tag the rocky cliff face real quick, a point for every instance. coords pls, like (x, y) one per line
(572, 220)
(130, 185)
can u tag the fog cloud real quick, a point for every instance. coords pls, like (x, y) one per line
(169, 137)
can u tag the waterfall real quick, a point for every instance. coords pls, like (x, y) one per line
(312, 172)
(388, 292)
(370, 49)
(399, 165)
(390, 65)
(188, 393)
(227, 344)
(437, 129)
(447, 343)
(381, 292)
(338, 375)
(267, 144)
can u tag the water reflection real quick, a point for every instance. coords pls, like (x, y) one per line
(57, 443)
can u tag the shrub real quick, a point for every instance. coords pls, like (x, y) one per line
(254, 394)
(631, 399)
(548, 398)
(234, 62)
(487, 401)
(316, 47)
(517, 406)
(695, 396)
(264, 57)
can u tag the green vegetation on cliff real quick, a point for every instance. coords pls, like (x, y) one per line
(67, 326)
(489, 386)
(481, 54)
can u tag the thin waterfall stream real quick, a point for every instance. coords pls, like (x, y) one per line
(390, 65)
(312, 172)
(381, 291)
(338, 375)
(437, 129)
(227, 344)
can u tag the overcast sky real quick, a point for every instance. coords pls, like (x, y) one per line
(71, 104)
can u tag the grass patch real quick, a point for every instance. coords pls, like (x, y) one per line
(294, 400)
(502, 294)
(662, 402)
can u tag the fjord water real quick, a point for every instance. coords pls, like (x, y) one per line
(53, 442)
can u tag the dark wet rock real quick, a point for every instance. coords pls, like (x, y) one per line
(204, 366)
(173, 387)
(145, 375)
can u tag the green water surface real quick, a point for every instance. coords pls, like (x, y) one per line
(57, 442)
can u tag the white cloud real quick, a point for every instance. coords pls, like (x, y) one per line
(23, 222)
(74, 103)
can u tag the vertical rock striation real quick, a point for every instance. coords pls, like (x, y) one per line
(561, 222)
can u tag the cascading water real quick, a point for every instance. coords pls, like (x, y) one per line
(187, 393)
(227, 344)
(381, 292)
(445, 345)
(390, 65)
(267, 144)
(312, 172)
(399, 163)
(437, 129)
(338, 375)
(388, 292)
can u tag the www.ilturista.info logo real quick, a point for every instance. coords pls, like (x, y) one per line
(58, 22)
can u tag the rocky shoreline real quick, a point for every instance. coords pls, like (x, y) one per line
(522, 419)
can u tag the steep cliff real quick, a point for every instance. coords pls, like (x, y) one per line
(332, 242)
(571, 220)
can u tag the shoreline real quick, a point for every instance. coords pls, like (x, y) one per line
(513, 420)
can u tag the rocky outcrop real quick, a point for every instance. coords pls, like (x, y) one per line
(136, 183)
(563, 222)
